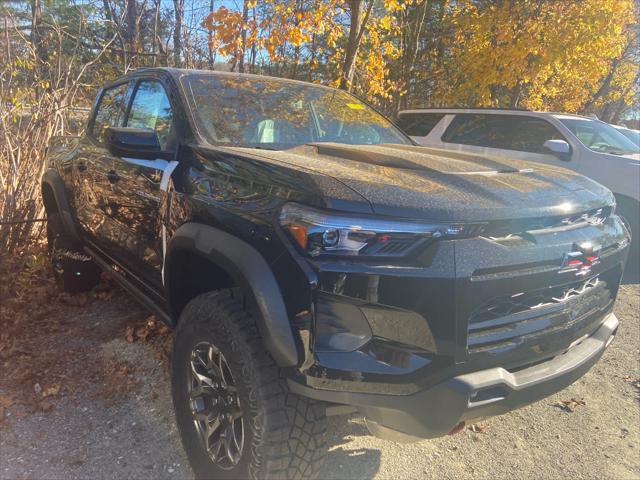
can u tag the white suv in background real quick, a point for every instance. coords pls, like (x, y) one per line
(590, 147)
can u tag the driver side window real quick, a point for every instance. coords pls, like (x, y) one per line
(151, 109)
(111, 110)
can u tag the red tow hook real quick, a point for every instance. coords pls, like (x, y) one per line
(458, 428)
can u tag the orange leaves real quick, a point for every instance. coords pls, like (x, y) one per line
(570, 405)
(227, 27)
(270, 25)
(318, 31)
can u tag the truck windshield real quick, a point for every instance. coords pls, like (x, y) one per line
(267, 113)
(599, 136)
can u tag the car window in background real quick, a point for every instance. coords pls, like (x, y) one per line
(599, 136)
(151, 109)
(111, 110)
(277, 114)
(633, 135)
(509, 132)
(418, 124)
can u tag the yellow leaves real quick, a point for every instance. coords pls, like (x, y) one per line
(393, 5)
(553, 55)
(550, 55)
(385, 22)
(272, 26)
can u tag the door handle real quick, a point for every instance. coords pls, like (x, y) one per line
(112, 176)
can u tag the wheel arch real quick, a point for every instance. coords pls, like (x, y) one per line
(242, 266)
(55, 200)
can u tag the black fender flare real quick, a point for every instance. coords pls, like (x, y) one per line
(52, 179)
(251, 273)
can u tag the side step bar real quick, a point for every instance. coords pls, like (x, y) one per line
(131, 287)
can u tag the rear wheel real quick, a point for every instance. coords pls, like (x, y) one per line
(73, 268)
(235, 413)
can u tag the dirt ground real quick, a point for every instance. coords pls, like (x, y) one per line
(84, 393)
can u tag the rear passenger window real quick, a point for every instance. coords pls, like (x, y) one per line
(509, 132)
(111, 110)
(418, 124)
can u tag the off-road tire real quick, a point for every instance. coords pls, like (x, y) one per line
(285, 437)
(72, 267)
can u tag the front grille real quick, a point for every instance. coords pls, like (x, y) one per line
(509, 320)
(506, 229)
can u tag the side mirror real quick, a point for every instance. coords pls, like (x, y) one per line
(560, 148)
(133, 142)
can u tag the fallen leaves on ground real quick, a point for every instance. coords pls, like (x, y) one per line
(570, 405)
(35, 318)
(154, 333)
(51, 391)
(150, 329)
(478, 428)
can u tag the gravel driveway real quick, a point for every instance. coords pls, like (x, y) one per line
(94, 403)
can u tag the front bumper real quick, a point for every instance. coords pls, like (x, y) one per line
(437, 410)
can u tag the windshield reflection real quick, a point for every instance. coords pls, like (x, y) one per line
(275, 114)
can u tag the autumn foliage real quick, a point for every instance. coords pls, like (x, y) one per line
(570, 56)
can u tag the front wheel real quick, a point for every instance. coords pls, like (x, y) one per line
(235, 413)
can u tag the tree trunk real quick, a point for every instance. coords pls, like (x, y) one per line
(211, 60)
(245, 19)
(410, 52)
(515, 96)
(133, 27)
(156, 14)
(178, 6)
(39, 43)
(606, 81)
(358, 21)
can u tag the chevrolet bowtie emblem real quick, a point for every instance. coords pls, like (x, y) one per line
(580, 260)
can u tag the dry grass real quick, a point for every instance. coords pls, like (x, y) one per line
(37, 97)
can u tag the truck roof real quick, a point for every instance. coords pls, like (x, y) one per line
(177, 73)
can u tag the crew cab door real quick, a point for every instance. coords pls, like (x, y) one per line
(139, 188)
(92, 165)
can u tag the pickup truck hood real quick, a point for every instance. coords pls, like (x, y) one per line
(414, 182)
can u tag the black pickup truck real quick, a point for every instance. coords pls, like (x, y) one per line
(314, 261)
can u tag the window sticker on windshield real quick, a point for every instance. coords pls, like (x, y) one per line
(355, 106)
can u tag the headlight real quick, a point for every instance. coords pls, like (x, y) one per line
(319, 233)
